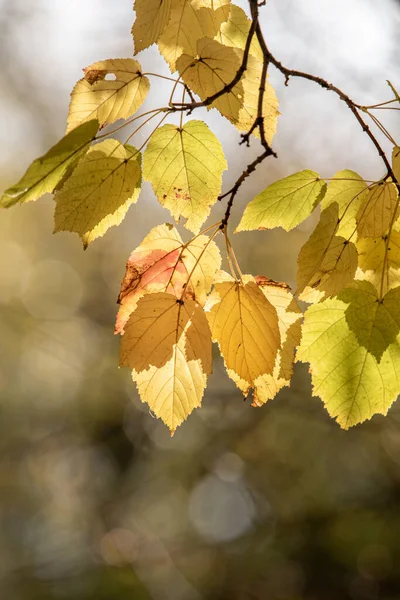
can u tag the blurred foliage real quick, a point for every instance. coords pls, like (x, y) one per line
(96, 500)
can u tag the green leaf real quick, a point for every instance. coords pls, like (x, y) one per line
(285, 203)
(152, 17)
(327, 262)
(185, 169)
(108, 100)
(347, 376)
(349, 191)
(100, 191)
(44, 174)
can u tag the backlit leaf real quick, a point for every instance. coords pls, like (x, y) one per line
(185, 169)
(46, 172)
(327, 262)
(371, 260)
(152, 17)
(245, 325)
(346, 375)
(289, 321)
(190, 22)
(349, 191)
(163, 263)
(285, 203)
(100, 191)
(108, 100)
(396, 162)
(375, 214)
(167, 344)
(235, 30)
(216, 65)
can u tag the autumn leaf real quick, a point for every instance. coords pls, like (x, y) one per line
(289, 322)
(285, 203)
(188, 23)
(349, 191)
(185, 166)
(163, 263)
(396, 162)
(235, 31)
(152, 17)
(245, 325)
(216, 65)
(46, 172)
(100, 191)
(95, 97)
(346, 376)
(372, 264)
(167, 344)
(375, 214)
(327, 262)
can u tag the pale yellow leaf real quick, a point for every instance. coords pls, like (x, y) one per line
(100, 191)
(185, 168)
(245, 325)
(349, 191)
(95, 97)
(215, 66)
(376, 212)
(235, 30)
(152, 17)
(188, 23)
(167, 344)
(371, 262)
(289, 321)
(327, 262)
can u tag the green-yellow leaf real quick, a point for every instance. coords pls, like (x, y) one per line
(375, 214)
(327, 262)
(185, 168)
(346, 375)
(152, 17)
(46, 172)
(167, 344)
(190, 22)
(163, 263)
(95, 97)
(216, 65)
(285, 203)
(349, 191)
(289, 321)
(371, 262)
(100, 191)
(245, 325)
(235, 30)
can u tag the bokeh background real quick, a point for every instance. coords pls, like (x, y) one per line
(97, 502)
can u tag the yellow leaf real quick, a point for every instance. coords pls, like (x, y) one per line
(167, 344)
(245, 325)
(327, 262)
(396, 162)
(190, 22)
(163, 263)
(349, 191)
(46, 172)
(95, 97)
(375, 214)
(152, 17)
(235, 30)
(371, 253)
(289, 321)
(285, 203)
(100, 191)
(185, 169)
(215, 66)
